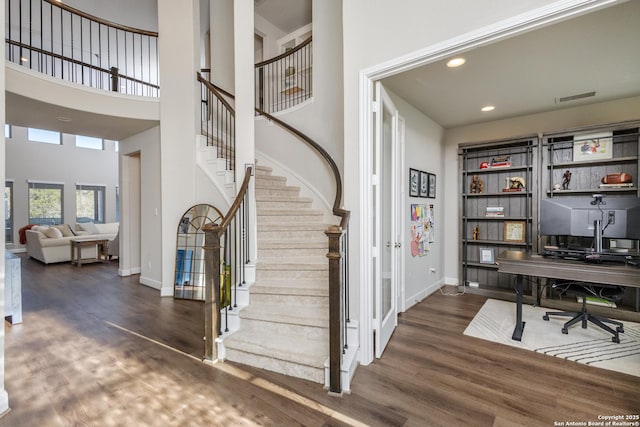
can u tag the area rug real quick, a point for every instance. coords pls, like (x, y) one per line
(592, 346)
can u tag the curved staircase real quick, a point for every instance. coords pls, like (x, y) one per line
(285, 326)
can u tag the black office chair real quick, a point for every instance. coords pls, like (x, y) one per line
(609, 293)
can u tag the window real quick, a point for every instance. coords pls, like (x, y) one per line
(90, 203)
(7, 131)
(8, 212)
(46, 136)
(89, 142)
(45, 203)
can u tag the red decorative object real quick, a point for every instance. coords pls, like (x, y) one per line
(616, 178)
(484, 165)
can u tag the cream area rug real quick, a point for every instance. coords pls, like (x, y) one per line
(592, 346)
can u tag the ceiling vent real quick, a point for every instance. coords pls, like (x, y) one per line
(574, 97)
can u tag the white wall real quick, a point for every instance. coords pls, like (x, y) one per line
(66, 163)
(424, 148)
(140, 14)
(270, 35)
(553, 121)
(141, 224)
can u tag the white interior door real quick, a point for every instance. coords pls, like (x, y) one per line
(386, 235)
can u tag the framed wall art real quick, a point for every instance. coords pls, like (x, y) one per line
(514, 231)
(424, 184)
(414, 183)
(487, 256)
(432, 186)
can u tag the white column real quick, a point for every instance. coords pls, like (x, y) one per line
(245, 100)
(179, 50)
(4, 397)
(222, 41)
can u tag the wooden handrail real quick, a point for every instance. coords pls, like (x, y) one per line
(78, 62)
(101, 20)
(285, 54)
(216, 91)
(238, 201)
(337, 210)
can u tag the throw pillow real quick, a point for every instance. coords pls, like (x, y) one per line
(65, 229)
(89, 227)
(40, 228)
(53, 233)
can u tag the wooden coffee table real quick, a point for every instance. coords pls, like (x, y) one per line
(79, 243)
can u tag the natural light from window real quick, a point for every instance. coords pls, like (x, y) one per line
(45, 136)
(89, 142)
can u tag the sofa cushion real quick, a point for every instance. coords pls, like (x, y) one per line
(40, 228)
(65, 229)
(53, 233)
(89, 227)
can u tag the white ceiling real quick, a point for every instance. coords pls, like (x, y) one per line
(528, 74)
(287, 15)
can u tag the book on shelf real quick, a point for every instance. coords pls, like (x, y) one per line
(494, 211)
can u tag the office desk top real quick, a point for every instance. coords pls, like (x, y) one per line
(528, 264)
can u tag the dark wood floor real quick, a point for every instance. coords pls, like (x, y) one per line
(98, 350)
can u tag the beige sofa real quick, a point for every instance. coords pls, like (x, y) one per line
(50, 244)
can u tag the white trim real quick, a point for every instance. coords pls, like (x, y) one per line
(417, 298)
(34, 181)
(534, 19)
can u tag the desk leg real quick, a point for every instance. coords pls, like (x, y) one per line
(517, 332)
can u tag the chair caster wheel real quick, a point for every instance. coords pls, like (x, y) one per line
(615, 340)
(565, 331)
(545, 317)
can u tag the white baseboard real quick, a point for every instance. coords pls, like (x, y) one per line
(415, 299)
(155, 284)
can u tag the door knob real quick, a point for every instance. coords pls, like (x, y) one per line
(397, 245)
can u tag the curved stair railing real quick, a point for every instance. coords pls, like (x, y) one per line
(338, 235)
(286, 80)
(60, 41)
(223, 268)
(217, 120)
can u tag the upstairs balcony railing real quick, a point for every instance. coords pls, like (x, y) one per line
(286, 80)
(60, 41)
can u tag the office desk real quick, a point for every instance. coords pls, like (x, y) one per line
(528, 264)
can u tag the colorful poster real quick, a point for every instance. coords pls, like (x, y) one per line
(421, 229)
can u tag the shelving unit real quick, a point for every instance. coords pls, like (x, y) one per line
(562, 152)
(517, 207)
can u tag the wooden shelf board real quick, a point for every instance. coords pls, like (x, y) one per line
(594, 162)
(498, 194)
(595, 190)
(503, 169)
(493, 242)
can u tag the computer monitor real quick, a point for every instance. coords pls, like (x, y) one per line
(575, 216)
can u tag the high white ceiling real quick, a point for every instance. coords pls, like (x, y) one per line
(287, 15)
(529, 73)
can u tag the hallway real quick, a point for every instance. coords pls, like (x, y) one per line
(95, 349)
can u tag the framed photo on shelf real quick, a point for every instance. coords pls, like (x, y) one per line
(487, 256)
(593, 147)
(414, 183)
(514, 231)
(432, 186)
(424, 184)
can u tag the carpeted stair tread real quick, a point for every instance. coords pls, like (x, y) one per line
(297, 349)
(305, 315)
(288, 212)
(263, 198)
(293, 226)
(294, 263)
(306, 287)
(292, 244)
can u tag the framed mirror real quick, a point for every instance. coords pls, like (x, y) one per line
(190, 265)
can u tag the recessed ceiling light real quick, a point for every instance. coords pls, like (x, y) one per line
(456, 62)
(488, 108)
(63, 119)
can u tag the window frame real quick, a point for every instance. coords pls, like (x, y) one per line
(37, 185)
(99, 202)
